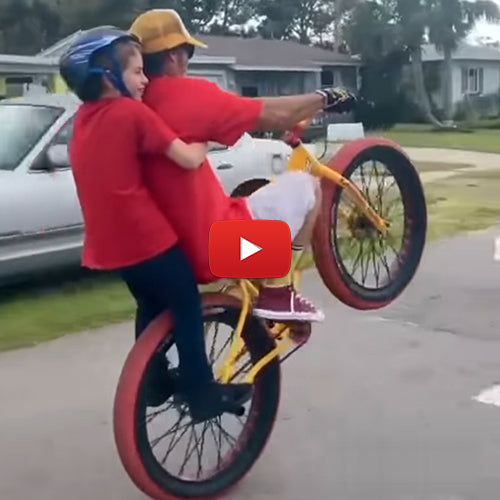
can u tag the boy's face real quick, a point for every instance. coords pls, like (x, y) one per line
(134, 76)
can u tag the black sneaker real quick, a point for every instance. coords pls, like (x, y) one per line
(215, 399)
(162, 382)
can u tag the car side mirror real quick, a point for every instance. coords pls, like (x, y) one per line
(58, 156)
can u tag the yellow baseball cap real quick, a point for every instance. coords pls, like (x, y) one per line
(162, 29)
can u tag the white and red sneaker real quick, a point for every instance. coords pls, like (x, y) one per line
(285, 304)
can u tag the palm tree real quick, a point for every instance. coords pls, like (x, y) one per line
(393, 29)
(411, 18)
(450, 21)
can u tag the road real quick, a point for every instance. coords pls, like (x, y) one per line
(378, 406)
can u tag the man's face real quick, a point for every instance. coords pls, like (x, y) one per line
(181, 56)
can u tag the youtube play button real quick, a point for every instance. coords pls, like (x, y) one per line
(247, 249)
(250, 249)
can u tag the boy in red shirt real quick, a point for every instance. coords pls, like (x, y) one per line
(200, 111)
(124, 229)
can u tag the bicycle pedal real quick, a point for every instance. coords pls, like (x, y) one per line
(300, 331)
(239, 412)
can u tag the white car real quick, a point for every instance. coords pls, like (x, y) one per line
(40, 218)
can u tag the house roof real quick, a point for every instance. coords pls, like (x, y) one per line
(464, 52)
(250, 54)
(255, 53)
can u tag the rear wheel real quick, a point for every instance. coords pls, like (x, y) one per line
(361, 267)
(165, 454)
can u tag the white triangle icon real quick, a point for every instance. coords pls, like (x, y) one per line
(247, 249)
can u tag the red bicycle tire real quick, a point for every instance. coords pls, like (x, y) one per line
(126, 400)
(324, 252)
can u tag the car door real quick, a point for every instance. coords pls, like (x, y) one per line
(41, 226)
(233, 164)
(61, 222)
(248, 159)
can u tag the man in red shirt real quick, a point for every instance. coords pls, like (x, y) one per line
(200, 111)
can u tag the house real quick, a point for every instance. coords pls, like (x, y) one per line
(262, 67)
(259, 67)
(18, 71)
(475, 77)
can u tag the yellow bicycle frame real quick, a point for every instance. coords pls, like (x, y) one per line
(300, 159)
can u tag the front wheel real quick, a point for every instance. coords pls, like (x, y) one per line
(164, 453)
(361, 267)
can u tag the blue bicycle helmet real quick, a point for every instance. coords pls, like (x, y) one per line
(77, 63)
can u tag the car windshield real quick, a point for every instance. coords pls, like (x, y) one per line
(21, 127)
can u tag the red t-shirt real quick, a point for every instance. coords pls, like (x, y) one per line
(123, 225)
(192, 200)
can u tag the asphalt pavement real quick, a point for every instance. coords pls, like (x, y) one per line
(378, 406)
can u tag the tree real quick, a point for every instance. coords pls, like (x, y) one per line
(196, 14)
(342, 11)
(411, 17)
(450, 21)
(372, 33)
(230, 13)
(278, 18)
(27, 26)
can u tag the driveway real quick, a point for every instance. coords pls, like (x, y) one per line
(477, 160)
(378, 406)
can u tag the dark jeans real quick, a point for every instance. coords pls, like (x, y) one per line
(167, 282)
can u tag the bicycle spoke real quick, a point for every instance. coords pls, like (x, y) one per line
(376, 269)
(151, 416)
(188, 455)
(226, 344)
(218, 443)
(212, 348)
(174, 443)
(360, 247)
(199, 451)
(364, 271)
(168, 433)
(227, 435)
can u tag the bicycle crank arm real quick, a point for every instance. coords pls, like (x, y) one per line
(282, 346)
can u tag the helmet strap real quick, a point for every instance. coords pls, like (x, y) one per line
(114, 75)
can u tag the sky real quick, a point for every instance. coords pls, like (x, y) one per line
(484, 29)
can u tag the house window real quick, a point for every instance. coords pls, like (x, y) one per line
(472, 80)
(249, 91)
(327, 78)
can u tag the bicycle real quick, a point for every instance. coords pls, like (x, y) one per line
(254, 349)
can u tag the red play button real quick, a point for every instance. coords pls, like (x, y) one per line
(249, 249)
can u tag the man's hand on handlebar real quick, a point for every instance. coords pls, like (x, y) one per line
(337, 100)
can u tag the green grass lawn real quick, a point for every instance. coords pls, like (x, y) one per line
(465, 202)
(485, 140)
(30, 315)
(33, 314)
